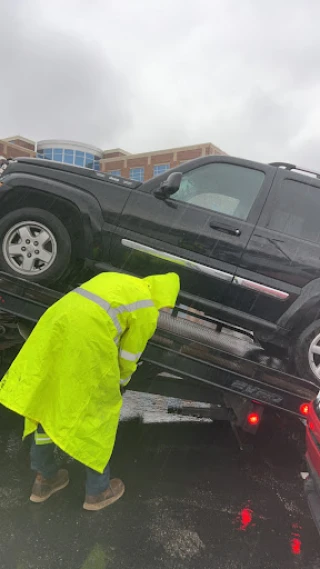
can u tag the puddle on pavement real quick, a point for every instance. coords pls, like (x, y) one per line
(151, 408)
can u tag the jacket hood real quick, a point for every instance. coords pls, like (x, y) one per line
(164, 289)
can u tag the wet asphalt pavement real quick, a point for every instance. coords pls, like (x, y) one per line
(193, 500)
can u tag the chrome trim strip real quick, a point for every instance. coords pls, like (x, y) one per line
(269, 291)
(246, 283)
(178, 260)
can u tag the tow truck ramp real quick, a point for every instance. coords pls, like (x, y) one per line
(186, 355)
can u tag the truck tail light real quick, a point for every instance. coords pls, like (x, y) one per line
(304, 409)
(253, 419)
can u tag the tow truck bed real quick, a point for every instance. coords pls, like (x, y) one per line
(188, 351)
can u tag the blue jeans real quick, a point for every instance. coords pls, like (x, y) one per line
(42, 461)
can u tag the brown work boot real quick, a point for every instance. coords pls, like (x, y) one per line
(43, 488)
(106, 498)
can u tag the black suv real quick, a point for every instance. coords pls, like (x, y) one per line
(244, 237)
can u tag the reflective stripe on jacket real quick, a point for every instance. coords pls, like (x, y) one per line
(134, 338)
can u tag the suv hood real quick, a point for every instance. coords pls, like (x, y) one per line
(29, 165)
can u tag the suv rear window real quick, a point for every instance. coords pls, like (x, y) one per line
(296, 211)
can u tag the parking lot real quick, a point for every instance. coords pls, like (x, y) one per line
(193, 500)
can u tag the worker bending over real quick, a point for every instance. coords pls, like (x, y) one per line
(67, 377)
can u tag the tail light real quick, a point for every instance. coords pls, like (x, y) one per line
(304, 409)
(253, 419)
(248, 414)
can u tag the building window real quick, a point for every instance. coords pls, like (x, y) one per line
(160, 169)
(68, 156)
(57, 154)
(89, 160)
(79, 161)
(115, 172)
(47, 153)
(137, 174)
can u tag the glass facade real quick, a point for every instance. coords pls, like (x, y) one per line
(69, 156)
(88, 160)
(57, 154)
(79, 158)
(137, 174)
(115, 172)
(47, 154)
(160, 169)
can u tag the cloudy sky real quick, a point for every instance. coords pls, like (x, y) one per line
(146, 75)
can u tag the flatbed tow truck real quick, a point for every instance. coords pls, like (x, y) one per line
(184, 359)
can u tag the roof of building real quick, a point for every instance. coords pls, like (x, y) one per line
(163, 151)
(18, 137)
(56, 143)
(120, 150)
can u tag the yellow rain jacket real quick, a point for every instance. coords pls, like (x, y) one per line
(67, 375)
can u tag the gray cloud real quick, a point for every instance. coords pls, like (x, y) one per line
(57, 84)
(140, 75)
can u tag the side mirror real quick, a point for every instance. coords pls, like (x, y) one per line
(169, 187)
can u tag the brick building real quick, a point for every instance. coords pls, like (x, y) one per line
(142, 166)
(149, 164)
(16, 147)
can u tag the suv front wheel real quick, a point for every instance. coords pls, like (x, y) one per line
(35, 245)
(305, 353)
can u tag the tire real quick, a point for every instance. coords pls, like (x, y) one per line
(304, 354)
(34, 245)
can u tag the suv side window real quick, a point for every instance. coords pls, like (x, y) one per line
(296, 211)
(222, 187)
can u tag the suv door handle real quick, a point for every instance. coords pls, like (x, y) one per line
(226, 229)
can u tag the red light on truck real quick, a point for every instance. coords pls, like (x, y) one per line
(253, 419)
(304, 409)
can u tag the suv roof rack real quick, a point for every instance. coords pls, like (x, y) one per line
(288, 166)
